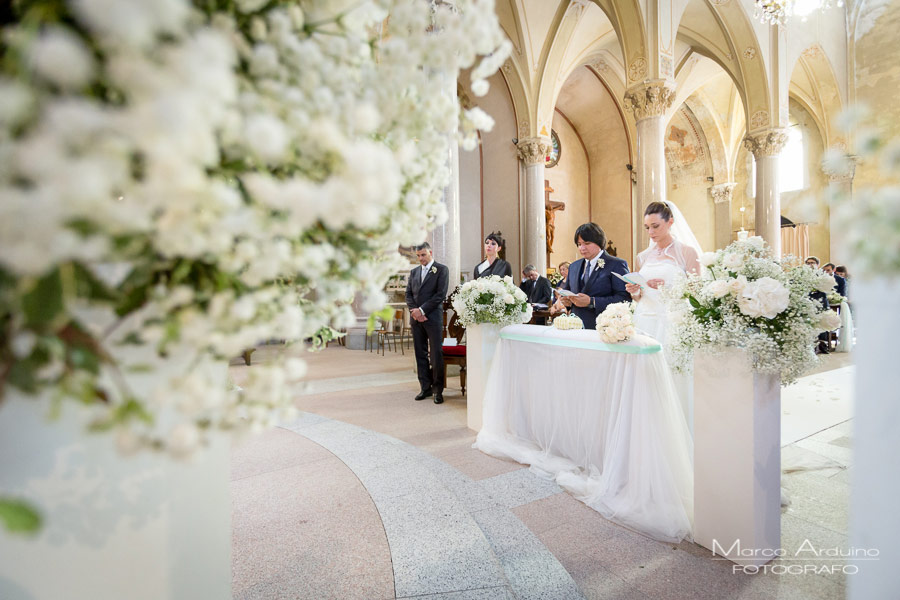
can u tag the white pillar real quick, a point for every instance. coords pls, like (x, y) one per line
(840, 186)
(766, 146)
(533, 152)
(875, 487)
(722, 195)
(649, 103)
(737, 458)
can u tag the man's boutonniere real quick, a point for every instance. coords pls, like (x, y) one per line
(600, 263)
(433, 270)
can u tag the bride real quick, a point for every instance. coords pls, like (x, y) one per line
(673, 251)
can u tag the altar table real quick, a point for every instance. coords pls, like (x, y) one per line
(602, 420)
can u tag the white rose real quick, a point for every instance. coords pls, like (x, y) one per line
(733, 260)
(765, 297)
(757, 242)
(183, 440)
(707, 258)
(738, 284)
(825, 282)
(295, 368)
(16, 101)
(62, 59)
(480, 87)
(717, 288)
(829, 320)
(127, 442)
(23, 343)
(267, 137)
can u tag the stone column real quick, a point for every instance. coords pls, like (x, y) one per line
(722, 195)
(766, 146)
(533, 152)
(649, 102)
(840, 185)
(445, 237)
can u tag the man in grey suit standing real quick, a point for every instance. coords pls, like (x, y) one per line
(425, 293)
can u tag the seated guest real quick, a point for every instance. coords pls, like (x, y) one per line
(591, 278)
(493, 262)
(820, 298)
(841, 286)
(841, 271)
(536, 287)
(563, 272)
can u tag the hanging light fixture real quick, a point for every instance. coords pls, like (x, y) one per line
(777, 12)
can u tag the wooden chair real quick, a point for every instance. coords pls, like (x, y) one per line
(393, 331)
(454, 354)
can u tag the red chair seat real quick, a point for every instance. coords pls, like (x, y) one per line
(454, 350)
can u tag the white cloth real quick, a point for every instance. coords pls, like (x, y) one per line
(608, 429)
(845, 335)
(482, 266)
(650, 315)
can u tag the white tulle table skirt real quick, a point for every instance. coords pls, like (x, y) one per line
(604, 421)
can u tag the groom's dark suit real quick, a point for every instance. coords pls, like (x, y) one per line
(602, 286)
(428, 294)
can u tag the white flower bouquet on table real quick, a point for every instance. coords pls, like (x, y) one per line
(615, 323)
(746, 299)
(189, 178)
(835, 299)
(565, 322)
(491, 300)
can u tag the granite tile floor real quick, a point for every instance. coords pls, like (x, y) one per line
(370, 495)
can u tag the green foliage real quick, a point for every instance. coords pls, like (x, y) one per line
(43, 301)
(19, 517)
(384, 314)
(323, 336)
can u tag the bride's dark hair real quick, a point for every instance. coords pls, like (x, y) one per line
(659, 208)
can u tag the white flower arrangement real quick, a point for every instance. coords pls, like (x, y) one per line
(565, 322)
(491, 300)
(187, 179)
(746, 299)
(615, 324)
(835, 299)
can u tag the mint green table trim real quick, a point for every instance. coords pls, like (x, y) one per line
(622, 349)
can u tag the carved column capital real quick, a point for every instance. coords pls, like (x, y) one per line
(722, 192)
(766, 143)
(650, 99)
(841, 170)
(533, 150)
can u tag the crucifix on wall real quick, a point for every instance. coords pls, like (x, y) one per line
(550, 208)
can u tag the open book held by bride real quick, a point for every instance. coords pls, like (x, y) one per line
(635, 278)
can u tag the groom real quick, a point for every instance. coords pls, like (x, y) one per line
(591, 277)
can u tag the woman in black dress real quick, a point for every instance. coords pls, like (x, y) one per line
(493, 264)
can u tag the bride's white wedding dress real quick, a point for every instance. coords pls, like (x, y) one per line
(650, 311)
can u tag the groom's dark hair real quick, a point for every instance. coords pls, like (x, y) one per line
(591, 232)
